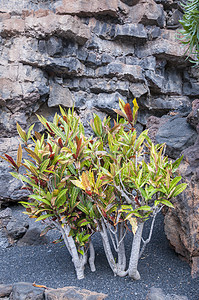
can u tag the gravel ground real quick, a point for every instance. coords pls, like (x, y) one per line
(51, 265)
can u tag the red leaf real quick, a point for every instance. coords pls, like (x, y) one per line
(65, 119)
(60, 143)
(50, 148)
(52, 156)
(11, 160)
(27, 188)
(128, 112)
(79, 142)
(48, 126)
(89, 192)
(51, 132)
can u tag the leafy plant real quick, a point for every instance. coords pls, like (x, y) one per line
(110, 183)
(190, 31)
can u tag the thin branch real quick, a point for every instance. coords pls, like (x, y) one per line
(124, 186)
(123, 194)
(145, 242)
(122, 237)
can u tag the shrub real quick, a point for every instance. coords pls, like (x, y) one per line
(82, 185)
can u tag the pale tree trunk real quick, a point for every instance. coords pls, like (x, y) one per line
(78, 260)
(107, 248)
(135, 252)
(121, 249)
(117, 269)
(92, 257)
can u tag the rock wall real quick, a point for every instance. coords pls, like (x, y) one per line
(91, 53)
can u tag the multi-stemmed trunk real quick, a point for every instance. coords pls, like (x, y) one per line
(118, 267)
(78, 259)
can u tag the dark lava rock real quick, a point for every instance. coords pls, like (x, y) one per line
(158, 294)
(177, 134)
(5, 290)
(16, 228)
(26, 291)
(33, 238)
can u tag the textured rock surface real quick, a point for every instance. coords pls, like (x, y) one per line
(181, 224)
(29, 291)
(158, 294)
(177, 134)
(5, 290)
(26, 291)
(32, 238)
(16, 228)
(72, 292)
(11, 229)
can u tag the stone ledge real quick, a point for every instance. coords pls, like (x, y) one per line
(46, 26)
(31, 291)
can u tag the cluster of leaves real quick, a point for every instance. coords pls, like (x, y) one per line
(78, 181)
(190, 31)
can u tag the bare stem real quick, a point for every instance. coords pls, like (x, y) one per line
(135, 250)
(145, 242)
(79, 262)
(121, 248)
(92, 257)
(107, 248)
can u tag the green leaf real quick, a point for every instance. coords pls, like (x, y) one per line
(33, 155)
(58, 131)
(98, 125)
(174, 182)
(72, 169)
(140, 140)
(167, 203)
(121, 105)
(44, 165)
(144, 207)
(61, 199)
(29, 131)
(43, 217)
(21, 133)
(83, 208)
(81, 252)
(21, 177)
(85, 237)
(26, 203)
(15, 175)
(73, 196)
(40, 198)
(62, 111)
(179, 189)
(176, 164)
(78, 183)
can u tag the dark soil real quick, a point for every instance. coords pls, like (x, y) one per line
(51, 265)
